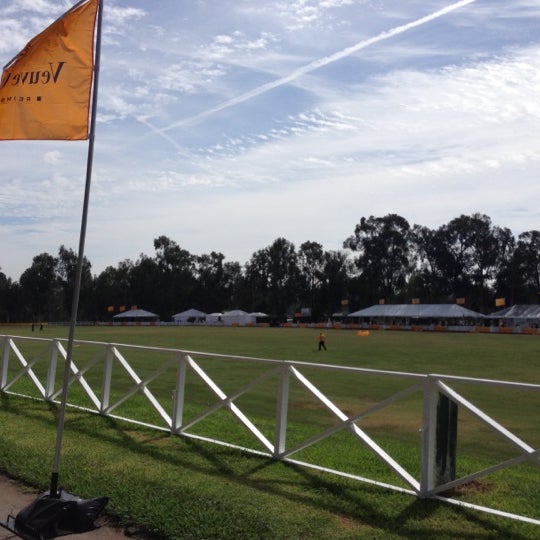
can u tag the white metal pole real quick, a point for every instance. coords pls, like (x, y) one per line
(78, 275)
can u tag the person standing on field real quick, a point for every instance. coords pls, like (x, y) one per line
(322, 341)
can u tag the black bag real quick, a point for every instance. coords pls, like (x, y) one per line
(49, 517)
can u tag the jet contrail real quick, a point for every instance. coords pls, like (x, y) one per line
(316, 64)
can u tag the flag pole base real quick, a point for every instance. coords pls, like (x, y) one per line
(55, 515)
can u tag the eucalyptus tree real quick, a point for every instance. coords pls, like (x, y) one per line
(527, 257)
(113, 288)
(428, 280)
(257, 282)
(66, 268)
(272, 276)
(9, 304)
(41, 290)
(211, 294)
(5, 285)
(232, 284)
(176, 283)
(311, 262)
(334, 288)
(384, 252)
(283, 274)
(170, 256)
(469, 250)
(144, 275)
(519, 280)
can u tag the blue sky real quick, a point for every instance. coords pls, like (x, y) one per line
(225, 124)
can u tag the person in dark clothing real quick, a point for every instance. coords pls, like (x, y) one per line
(322, 341)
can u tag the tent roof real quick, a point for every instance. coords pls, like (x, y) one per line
(190, 313)
(234, 313)
(416, 311)
(135, 314)
(518, 311)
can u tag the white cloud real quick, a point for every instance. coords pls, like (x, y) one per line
(123, 15)
(52, 158)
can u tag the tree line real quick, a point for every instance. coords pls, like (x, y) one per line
(468, 260)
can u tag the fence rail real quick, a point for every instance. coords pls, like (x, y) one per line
(36, 374)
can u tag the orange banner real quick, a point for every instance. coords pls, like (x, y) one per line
(45, 90)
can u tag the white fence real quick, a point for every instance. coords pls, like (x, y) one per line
(103, 381)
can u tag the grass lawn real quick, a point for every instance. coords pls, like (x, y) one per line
(179, 487)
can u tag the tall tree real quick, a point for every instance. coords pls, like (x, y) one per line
(8, 311)
(272, 276)
(427, 280)
(283, 273)
(211, 293)
(257, 282)
(383, 246)
(519, 280)
(113, 288)
(176, 283)
(468, 251)
(311, 262)
(336, 279)
(233, 280)
(143, 277)
(41, 289)
(528, 260)
(66, 267)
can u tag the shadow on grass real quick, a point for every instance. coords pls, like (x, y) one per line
(361, 504)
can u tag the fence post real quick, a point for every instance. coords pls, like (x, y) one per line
(107, 376)
(446, 440)
(179, 395)
(5, 360)
(428, 439)
(282, 411)
(438, 438)
(51, 370)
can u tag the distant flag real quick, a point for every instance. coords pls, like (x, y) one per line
(133, 308)
(381, 301)
(415, 301)
(110, 309)
(460, 301)
(122, 308)
(45, 90)
(500, 302)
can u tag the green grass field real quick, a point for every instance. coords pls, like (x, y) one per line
(184, 488)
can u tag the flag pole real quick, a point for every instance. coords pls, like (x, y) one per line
(80, 261)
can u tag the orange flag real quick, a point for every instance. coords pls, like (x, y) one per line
(45, 90)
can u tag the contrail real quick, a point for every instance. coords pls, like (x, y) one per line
(316, 64)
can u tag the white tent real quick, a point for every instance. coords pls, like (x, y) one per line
(214, 318)
(237, 316)
(189, 316)
(417, 311)
(136, 315)
(519, 314)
